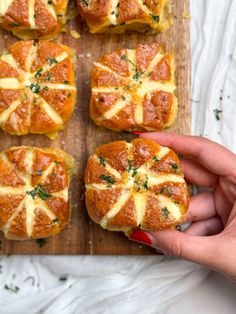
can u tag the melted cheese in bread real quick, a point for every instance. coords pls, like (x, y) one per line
(152, 196)
(119, 16)
(152, 98)
(37, 88)
(34, 19)
(38, 200)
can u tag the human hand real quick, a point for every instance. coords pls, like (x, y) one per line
(211, 238)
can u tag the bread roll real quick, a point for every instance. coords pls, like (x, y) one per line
(33, 19)
(120, 15)
(135, 185)
(37, 87)
(34, 185)
(134, 89)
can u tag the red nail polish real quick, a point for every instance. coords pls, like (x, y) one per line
(137, 133)
(140, 236)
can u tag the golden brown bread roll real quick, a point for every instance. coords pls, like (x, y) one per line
(135, 185)
(32, 19)
(134, 89)
(34, 185)
(120, 15)
(37, 87)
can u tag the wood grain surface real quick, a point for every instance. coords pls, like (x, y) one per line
(82, 136)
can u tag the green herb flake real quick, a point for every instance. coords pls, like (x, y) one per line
(137, 75)
(52, 61)
(38, 73)
(156, 18)
(41, 242)
(165, 213)
(14, 24)
(85, 2)
(132, 169)
(108, 179)
(49, 76)
(63, 278)
(54, 221)
(217, 113)
(57, 162)
(145, 185)
(123, 97)
(124, 58)
(40, 192)
(35, 88)
(102, 161)
(50, 2)
(32, 193)
(66, 82)
(175, 167)
(39, 173)
(155, 159)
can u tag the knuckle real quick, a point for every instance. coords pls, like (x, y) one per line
(175, 249)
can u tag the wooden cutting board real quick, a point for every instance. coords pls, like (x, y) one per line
(82, 136)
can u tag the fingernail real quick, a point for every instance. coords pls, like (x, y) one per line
(137, 133)
(141, 237)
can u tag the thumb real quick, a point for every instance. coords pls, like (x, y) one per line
(198, 249)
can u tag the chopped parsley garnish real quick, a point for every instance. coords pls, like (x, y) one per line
(38, 73)
(145, 185)
(40, 192)
(155, 159)
(14, 24)
(137, 75)
(49, 76)
(156, 18)
(85, 2)
(49, 1)
(66, 82)
(45, 88)
(165, 213)
(124, 58)
(51, 61)
(108, 179)
(39, 173)
(54, 221)
(41, 242)
(102, 161)
(63, 278)
(123, 97)
(57, 162)
(175, 167)
(131, 169)
(217, 113)
(35, 87)
(168, 191)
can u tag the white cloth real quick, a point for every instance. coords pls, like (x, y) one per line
(138, 284)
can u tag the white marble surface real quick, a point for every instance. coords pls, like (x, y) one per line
(145, 284)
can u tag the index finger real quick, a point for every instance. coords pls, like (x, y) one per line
(211, 155)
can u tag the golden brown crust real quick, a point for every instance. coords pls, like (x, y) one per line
(135, 185)
(34, 19)
(134, 89)
(37, 87)
(34, 185)
(120, 15)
